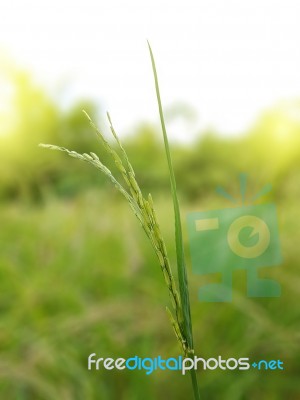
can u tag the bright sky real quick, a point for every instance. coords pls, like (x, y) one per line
(227, 59)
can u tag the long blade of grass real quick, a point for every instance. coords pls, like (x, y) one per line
(181, 268)
(182, 276)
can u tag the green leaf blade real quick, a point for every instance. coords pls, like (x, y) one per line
(181, 268)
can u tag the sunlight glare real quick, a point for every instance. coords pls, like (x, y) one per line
(7, 120)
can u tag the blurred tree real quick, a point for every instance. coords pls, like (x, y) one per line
(28, 116)
(34, 118)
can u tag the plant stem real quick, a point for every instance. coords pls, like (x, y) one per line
(193, 376)
(186, 323)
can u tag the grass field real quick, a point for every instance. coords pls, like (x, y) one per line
(78, 276)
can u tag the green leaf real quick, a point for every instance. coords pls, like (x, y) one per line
(181, 268)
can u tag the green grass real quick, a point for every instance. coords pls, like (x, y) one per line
(186, 321)
(72, 284)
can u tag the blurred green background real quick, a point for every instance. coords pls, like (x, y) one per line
(78, 275)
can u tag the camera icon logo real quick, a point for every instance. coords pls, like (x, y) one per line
(223, 241)
(258, 227)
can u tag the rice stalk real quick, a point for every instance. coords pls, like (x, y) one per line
(144, 210)
(145, 213)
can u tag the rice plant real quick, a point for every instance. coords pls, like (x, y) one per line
(143, 208)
